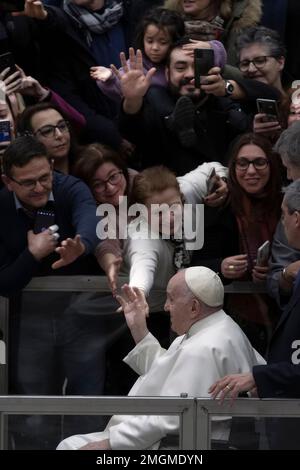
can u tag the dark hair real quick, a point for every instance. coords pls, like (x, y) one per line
(92, 157)
(20, 152)
(177, 45)
(24, 126)
(263, 36)
(163, 19)
(153, 180)
(273, 188)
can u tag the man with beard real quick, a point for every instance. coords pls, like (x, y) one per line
(183, 126)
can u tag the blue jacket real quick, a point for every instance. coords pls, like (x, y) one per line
(75, 213)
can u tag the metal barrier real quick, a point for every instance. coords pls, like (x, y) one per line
(194, 413)
(207, 408)
(82, 284)
(185, 408)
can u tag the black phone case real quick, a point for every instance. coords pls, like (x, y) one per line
(203, 62)
(44, 219)
(7, 60)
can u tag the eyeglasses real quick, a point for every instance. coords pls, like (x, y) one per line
(258, 62)
(31, 184)
(49, 130)
(100, 186)
(242, 164)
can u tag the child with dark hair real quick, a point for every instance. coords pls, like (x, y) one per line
(157, 31)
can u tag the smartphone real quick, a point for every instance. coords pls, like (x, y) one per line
(211, 182)
(204, 60)
(263, 254)
(268, 107)
(7, 60)
(12, 5)
(44, 219)
(5, 134)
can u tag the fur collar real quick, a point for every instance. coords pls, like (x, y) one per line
(246, 12)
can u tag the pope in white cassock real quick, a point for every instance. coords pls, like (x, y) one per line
(210, 345)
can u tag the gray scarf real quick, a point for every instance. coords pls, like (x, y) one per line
(96, 22)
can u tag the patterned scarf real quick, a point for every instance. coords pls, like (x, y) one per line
(181, 257)
(204, 30)
(96, 22)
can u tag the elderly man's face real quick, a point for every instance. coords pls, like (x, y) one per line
(178, 303)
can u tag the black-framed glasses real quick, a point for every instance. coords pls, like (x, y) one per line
(100, 186)
(49, 130)
(259, 163)
(258, 62)
(31, 184)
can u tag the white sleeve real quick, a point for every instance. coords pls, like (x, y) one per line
(193, 184)
(142, 356)
(142, 257)
(142, 432)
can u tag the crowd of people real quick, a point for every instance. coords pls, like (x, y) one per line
(116, 158)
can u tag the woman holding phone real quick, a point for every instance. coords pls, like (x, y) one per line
(262, 58)
(234, 234)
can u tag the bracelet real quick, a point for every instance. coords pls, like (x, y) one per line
(286, 277)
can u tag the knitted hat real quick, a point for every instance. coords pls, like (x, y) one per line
(219, 53)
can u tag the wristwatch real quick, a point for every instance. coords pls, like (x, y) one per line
(229, 88)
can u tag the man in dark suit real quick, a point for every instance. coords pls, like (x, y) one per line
(280, 378)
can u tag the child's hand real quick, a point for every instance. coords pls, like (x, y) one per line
(100, 73)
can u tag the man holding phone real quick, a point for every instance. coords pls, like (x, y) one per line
(48, 222)
(183, 119)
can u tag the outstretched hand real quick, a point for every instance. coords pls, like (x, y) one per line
(69, 251)
(136, 309)
(134, 81)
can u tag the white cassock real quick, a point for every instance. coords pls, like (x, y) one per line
(212, 348)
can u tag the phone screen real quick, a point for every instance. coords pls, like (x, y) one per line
(5, 134)
(43, 220)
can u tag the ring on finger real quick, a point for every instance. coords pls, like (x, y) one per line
(231, 267)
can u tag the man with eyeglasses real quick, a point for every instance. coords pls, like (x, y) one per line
(49, 342)
(185, 119)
